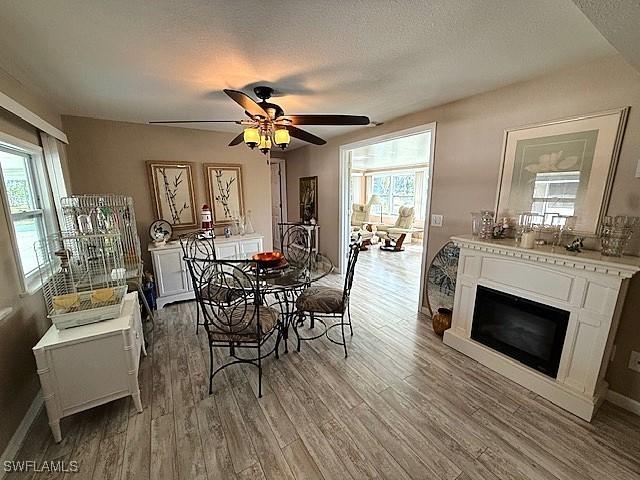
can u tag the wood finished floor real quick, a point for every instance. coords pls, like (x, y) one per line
(402, 406)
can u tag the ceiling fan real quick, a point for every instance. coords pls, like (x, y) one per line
(268, 125)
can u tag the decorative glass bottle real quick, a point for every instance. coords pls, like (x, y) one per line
(486, 224)
(248, 226)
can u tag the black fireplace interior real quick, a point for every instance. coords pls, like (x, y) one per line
(528, 331)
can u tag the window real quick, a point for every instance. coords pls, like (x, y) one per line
(27, 205)
(554, 193)
(356, 188)
(396, 190)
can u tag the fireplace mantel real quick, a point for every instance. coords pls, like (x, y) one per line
(587, 260)
(589, 286)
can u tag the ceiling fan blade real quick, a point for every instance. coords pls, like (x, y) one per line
(304, 135)
(237, 122)
(326, 119)
(246, 102)
(237, 141)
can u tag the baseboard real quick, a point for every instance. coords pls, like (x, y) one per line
(20, 434)
(624, 402)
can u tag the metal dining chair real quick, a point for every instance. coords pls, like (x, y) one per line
(228, 292)
(296, 242)
(319, 302)
(197, 245)
(297, 245)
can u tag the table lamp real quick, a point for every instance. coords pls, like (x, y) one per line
(375, 200)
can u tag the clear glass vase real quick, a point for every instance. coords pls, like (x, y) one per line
(476, 222)
(615, 233)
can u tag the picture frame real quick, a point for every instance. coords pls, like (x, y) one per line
(225, 191)
(308, 196)
(171, 185)
(563, 167)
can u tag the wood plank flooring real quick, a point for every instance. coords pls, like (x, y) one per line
(402, 406)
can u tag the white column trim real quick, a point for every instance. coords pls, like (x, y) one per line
(28, 116)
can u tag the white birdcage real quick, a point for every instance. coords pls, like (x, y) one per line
(105, 213)
(83, 277)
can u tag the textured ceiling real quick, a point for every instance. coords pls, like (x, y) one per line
(142, 60)
(619, 22)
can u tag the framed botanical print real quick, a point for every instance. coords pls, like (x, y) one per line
(562, 168)
(171, 185)
(225, 191)
(308, 199)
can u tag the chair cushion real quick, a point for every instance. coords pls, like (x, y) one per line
(218, 294)
(244, 323)
(321, 300)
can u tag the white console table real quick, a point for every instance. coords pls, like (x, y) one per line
(83, 367)
(172, 276)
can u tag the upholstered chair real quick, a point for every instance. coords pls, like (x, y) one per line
(359, 215)
(394, 235)
(404, 222)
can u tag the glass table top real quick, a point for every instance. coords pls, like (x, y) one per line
(290, 275)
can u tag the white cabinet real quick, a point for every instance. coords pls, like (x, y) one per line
(173, 283)
(86, 366)
(227, 250)
(250, 246)
(171, 273)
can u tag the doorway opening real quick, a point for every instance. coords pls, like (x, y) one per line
(385, 192)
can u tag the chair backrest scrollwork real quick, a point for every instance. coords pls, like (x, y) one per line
(227, 291)
(296, 243)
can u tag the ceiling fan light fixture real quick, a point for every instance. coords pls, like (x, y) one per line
(251, 137)
(282, 138)
(265, 144)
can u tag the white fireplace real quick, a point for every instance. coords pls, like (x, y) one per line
(577, 299)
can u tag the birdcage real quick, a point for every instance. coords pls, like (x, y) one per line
(105, 213)
(83, 277)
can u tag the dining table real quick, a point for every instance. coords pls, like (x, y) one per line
(281, 284)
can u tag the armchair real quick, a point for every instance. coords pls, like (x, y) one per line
(395, 235)
(359, 220)
(359, 215)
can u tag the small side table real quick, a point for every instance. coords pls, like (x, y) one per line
(83, 367)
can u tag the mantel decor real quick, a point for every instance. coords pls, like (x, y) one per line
(225, 191)
(171, 185)
(562, 167)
